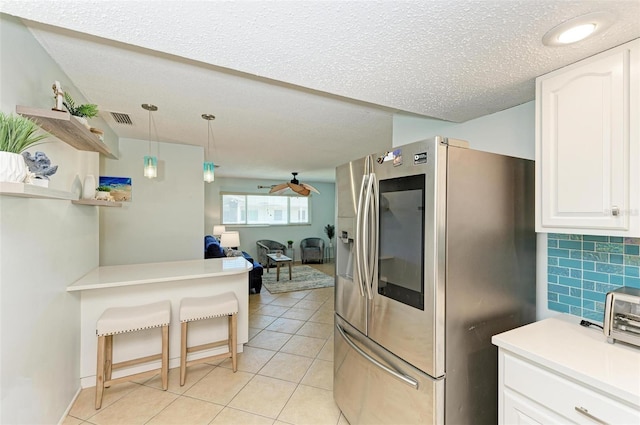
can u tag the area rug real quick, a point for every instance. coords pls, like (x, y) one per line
(302, 277)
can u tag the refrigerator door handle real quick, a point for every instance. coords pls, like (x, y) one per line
(373, 247)
(358, 242)
(396, 374)
(366, 234)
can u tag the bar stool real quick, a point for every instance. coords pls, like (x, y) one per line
(118, 320)
(201, 308)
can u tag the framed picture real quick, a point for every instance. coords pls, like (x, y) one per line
(120, 187)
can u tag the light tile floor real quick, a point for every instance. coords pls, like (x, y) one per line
(285, 375)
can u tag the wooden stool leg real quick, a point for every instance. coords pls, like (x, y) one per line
(234, 341)
(100, 372)
(183, 352)
(108, 346)
(165, 357)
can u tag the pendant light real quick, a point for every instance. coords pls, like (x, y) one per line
(208, 167)
(150, 162)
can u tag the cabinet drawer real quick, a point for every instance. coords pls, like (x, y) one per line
(565, 396)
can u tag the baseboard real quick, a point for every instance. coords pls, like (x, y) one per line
(66, 412)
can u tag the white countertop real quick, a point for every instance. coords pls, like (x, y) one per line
(138, 274)
(581, 353)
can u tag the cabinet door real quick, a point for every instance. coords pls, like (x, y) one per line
(587, 145)
(519, 410)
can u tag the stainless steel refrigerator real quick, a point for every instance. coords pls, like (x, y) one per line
(435, 254)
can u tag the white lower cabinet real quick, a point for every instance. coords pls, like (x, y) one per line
(532, 394)
(519, 410)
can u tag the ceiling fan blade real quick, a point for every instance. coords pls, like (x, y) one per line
(301, 190)
(280, 192)
(279, 187)
(295, 187)
(311, 188)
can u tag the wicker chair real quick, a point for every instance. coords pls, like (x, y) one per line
(312, 249)
(266, 246)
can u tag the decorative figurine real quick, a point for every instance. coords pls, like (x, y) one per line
(40, 165)
(58, 96)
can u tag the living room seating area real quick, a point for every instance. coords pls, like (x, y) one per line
(213, 249)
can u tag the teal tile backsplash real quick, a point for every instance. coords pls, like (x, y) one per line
(581, 269)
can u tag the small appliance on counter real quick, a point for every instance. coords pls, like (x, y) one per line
(622, 316)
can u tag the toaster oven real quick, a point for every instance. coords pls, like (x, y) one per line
(622, 316)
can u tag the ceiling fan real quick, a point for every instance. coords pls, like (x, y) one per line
(295, 185)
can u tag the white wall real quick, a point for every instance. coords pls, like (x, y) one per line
(322, 213)
(44, 246)
(509, 132)
(164, 220)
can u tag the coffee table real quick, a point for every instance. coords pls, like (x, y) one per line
(279, 260)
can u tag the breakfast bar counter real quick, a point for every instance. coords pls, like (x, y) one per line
(137, 284)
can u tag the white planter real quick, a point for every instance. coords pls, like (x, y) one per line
(104, 196)
(12, 167)
(84, 121)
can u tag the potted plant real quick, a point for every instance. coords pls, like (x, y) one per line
(330, 230)
(82, 112)
(103, 193)
(17, 133)
(290, 243)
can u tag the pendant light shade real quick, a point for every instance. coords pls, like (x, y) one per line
(208, 166)
(150, 167)
(209, 174)
(150, 162)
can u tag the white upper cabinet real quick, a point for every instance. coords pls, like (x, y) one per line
(588, 145)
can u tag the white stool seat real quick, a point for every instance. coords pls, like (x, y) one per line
(118, 320)
(201, 308)
(208, 307)
(129, 319)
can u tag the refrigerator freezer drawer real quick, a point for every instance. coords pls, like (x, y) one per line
(372, 386)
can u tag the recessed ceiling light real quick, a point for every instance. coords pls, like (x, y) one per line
(578, 28)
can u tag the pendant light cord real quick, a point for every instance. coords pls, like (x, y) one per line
(149, 147)
(208, 156)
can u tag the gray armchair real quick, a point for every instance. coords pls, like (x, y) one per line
(312, 249)
(266, 246)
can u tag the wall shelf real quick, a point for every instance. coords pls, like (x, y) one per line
(66, 128)
(97, 202)
(24, 190)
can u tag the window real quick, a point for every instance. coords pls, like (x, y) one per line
(264, 209)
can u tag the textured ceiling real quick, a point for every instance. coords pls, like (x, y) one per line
(318, 79)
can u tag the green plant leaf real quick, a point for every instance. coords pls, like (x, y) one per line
(17, 133)
(88, 110)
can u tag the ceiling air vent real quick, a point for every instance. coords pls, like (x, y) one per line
(121, 118)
